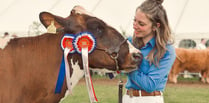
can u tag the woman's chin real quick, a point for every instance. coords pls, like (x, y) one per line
(138, 36)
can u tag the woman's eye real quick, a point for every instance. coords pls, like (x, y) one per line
(141, 24)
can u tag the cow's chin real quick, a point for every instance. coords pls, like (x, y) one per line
(128, 70)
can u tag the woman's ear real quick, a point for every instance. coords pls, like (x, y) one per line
(158, 25)
(155, 27)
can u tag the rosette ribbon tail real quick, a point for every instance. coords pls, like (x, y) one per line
(67, 70)
(61, 76)
(64, 72)
(90, 87)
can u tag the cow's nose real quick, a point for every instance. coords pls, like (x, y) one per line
(137, 57)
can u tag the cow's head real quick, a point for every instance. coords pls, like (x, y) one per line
(110, 43)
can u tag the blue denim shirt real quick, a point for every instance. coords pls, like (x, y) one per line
(149, 77)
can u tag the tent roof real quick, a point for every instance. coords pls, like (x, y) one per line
(184, 15)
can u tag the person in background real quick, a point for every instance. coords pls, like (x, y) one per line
(5, 34)
(152, 36)
(201, 45)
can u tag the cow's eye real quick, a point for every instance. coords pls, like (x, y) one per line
(96, 27)
(98, 30)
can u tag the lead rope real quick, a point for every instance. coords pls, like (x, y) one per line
(120, 84)
(120, 89)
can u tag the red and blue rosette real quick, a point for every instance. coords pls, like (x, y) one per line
(84, 39)
(67, 42)
(75, 44)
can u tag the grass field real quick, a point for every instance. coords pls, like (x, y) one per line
(107, 92)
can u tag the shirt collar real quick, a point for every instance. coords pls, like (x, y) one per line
(150, 43)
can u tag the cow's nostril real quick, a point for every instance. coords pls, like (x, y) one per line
(137, 57)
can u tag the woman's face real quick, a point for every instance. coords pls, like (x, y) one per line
(142, 25)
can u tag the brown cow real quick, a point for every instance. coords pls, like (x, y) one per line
(192, 60)
(29, 66)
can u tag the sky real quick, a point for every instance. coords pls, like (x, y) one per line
(185, 16)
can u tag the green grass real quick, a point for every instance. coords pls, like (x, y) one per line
(186, 95)
(193, 80)
(108, 93)
(104, 93)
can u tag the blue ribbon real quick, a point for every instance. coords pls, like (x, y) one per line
(61, 77)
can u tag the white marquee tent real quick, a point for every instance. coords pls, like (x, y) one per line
(188, 18)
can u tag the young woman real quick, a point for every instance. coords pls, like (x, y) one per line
(152, 35)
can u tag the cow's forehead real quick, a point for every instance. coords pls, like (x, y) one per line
(75, 19)
(83, 17)
(81, 20)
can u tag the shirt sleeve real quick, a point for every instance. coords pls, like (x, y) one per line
(156, 75)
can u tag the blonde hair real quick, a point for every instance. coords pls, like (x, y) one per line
(154, 10)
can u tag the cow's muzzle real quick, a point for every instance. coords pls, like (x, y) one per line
(137, 58)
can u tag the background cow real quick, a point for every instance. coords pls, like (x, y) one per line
(192, 60)
(29, 66)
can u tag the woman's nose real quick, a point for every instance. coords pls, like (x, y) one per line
(135, 26)
(134, 23)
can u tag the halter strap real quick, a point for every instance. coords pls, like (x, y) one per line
(113, 52)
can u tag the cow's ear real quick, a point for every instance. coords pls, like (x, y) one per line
(48, 18)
